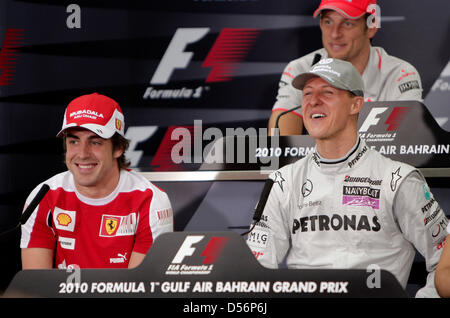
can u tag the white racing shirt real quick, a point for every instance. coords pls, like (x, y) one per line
(350, 213)
(386, 78)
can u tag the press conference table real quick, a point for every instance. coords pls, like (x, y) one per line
(160, 276)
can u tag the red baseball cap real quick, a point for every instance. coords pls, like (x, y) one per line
(351, 9)
(98, 113)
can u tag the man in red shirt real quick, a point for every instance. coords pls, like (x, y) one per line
(98, 214)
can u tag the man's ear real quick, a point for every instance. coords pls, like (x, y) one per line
(357, 104)
(118, 152)
(371, 32)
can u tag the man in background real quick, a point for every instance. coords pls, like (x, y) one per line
(347, 29)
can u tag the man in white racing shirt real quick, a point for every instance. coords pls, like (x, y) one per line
(347, 29)
(345, 205)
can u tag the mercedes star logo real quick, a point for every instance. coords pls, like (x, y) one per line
(307, 188)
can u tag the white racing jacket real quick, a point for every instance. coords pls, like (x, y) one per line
(386, 78)
(350, 213)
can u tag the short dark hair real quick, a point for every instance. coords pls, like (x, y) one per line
(121, 142)
(118, 142)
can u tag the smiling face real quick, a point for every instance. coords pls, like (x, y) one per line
(344, 38)
(329, 113)
(92, 161)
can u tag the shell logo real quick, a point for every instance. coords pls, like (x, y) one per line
(64, 219)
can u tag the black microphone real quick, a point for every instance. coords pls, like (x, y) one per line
(261, 204)
(277, 129)
(263, 200)
(34, 203)
(316, 59)
(29, 210)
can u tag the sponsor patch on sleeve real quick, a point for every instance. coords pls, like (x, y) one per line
(258, 238)
(165, 216)
(407, 86)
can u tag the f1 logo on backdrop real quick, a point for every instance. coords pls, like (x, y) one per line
(175, 56)
(374, 129)
(393, 121)
(228, 51)
(187, 260)
(14, 39)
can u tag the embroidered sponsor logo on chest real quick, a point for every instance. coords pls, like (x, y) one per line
(118, 225)
(362, 191)
(67, 243)
(64, 219)
(121, 258)
(361, 196)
